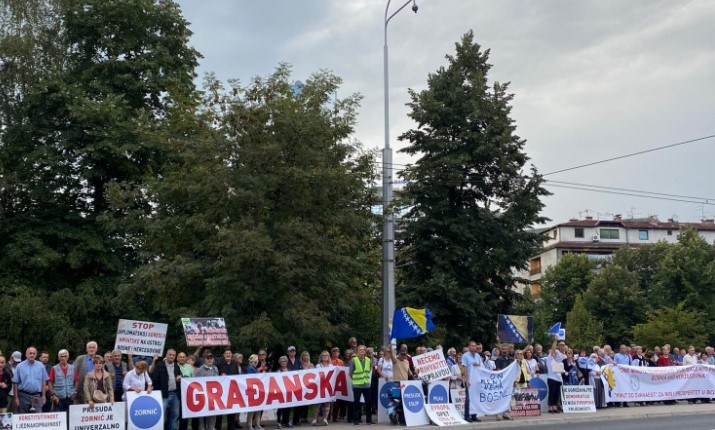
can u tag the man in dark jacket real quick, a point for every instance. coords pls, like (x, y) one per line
(166, 376)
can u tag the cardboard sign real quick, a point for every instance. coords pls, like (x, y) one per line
(444, 414)
(525, 402)
(230, 394)
(145, 411)
(438, 392)
(413, 403)
(103, 416)
(577, 399)
(44, 421)
(205, 331)
(459, 398)
(140, 337)
(6, 421)
(431, 365)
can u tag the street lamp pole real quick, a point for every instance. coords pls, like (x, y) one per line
(388, 228)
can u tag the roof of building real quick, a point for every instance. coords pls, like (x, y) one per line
(649, 223)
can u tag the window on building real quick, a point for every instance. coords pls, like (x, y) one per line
(610, 233)
(535, 266)
(578, 232)
(643, 234)
(670, 232)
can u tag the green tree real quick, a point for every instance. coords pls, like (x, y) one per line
(82, 115)
(644, 261)
(263, 216)
(468, 201)
(615, 299)
(674, 325)
(562, 283)
(582, 329)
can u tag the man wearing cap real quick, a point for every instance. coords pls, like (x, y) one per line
(15, 359)
(227, 366)
(360, 372)
(29, 383)
(207, 369)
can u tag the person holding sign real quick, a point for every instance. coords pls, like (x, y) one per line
(137, 379)
(324, 363)
(97, 385)
(555, 366)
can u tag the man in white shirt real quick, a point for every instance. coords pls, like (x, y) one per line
(470, 360)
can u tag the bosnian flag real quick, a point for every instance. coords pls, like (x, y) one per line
(409, 322)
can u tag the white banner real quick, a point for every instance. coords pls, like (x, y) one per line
(644, 384)
(221, 395)
(459, 397)
(103, 416)
(44, 420)
(413, 403)
(431, 365)
(140, 337)
(383, 389)
(577, 399)
(444, 414)
(490, 391)
(145, 411)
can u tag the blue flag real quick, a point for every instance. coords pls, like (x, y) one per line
(515, 328)
(409, 322)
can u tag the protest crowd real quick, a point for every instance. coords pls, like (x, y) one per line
(35, 384)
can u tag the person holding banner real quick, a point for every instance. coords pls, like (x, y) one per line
(253, 419)
(207, 369)
(98, 384)
(324, 363)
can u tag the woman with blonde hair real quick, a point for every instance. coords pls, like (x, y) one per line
(97, 385)
(522, 379)
(253, 419)
(323, 363)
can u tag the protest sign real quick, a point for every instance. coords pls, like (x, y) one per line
(459, 397)
(525, 402)
(647, 384)
(383, 388)
(223, 395)
(140, 337)
(205, 331)
(438, 392)
(431, 365)
(577, 399)
(413, 403)
(44, 420)
(103, 416)
(145, 411)
(490, 391)
(6, 421)
(444, 414)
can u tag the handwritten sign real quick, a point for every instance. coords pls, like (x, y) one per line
(431, 365)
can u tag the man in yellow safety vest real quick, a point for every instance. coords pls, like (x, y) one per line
(360, 372)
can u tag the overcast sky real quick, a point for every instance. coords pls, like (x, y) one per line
(592, 79)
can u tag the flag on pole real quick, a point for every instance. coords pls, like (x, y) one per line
(515, 328)
(409, 322)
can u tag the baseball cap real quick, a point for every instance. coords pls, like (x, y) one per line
(291, 348)
(335, 348)
(17, 356)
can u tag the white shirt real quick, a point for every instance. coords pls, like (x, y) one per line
(558, 357)
(132, 380)
(386, 367)
(690, 360)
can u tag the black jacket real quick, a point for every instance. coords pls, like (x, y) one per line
(160, 378)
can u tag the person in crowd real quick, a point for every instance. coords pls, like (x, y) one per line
(84, 364)
(166, 377)
(283, 415)
(107, 357)
(522, 379)
(451, 357)
(594, 379)
(501, 363)
(710, 352)
(45, 360)
(570, 377)
(137, 379)
(384, 365)
(117, 370)
(554, 364)
(238, 359)
(207, 369)
(677, 357)
(186, 367)
(488, 360)
(401, 366)
(471, 360)
(253, 418)
(462, 369)
(15, 360)
(227, 366)
(531, 362)
(305, 362)
(97, 385)
(324, 362)
(360, 371)
(703, 359)
(5, 384)
(29, 383)
(340, 406)
(374, 376)
(353, 343)
(63, 382)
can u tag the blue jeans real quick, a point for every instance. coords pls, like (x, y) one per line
(171, 410)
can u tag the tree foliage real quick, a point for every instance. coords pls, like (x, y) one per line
(674, 325)
(562, 284)
(582, 329)
(469, 201)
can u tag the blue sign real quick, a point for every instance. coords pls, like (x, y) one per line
(145, 412)
(385, 392)
(412, 398)
(541, 386)
(438, 395)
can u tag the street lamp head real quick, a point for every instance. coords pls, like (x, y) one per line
(414, 6)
